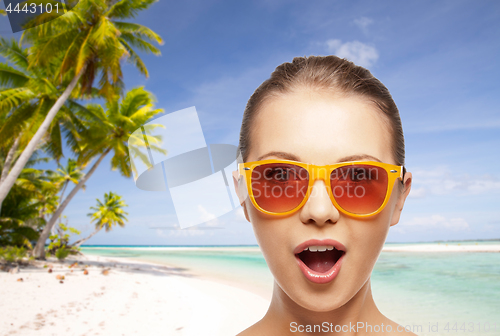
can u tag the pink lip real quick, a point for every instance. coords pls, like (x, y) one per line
(313, 276)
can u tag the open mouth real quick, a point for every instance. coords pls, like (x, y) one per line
(320, 259)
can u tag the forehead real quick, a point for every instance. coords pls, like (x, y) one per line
(319, 128)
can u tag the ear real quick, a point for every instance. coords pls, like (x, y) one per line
(401, 199)
(241, 191)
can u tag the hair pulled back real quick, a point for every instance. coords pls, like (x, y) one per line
(330, 74)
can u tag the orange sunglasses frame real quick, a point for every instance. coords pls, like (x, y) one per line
(394, 172)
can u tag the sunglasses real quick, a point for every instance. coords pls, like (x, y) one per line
(358, 189)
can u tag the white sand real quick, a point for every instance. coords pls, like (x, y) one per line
(442, 247)
(135, 298)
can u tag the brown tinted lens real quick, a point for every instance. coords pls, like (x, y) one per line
(359, 189)
(279, 187)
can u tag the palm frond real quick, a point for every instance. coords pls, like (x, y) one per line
(69, 54)
(13, 98)
(14, 53)
(13, 125)
(135, 59)
(140, 44)
(134, 100)
(144, 114)
(104, 33)
(85, 49)
(54, 145)
(128, 8)
(11, 77)
(139, 30)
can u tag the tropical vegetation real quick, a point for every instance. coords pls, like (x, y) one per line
(50, 84)
(106, 214)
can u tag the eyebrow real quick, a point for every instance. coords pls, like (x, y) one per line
(292, 157)
(282, 155)
(359, 157)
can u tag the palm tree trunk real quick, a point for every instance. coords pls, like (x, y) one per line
(28, 151)
(39, 251)
(83, 240)
(64, 189)
(9, 159)
(53, 230)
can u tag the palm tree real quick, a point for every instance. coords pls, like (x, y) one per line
(63, 176)
(83, 42)
(70, 173)
(106, 215)
(25, 99)
(107, 131)
(32, 198)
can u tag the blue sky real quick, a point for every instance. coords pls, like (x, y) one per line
(438, 59)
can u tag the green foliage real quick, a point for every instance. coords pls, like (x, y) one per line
(13, 234)
(94, 38)
(62, 253)
(70, 173)
(109, 129)
(23, 212)
(110, 212)
(13, 254)
(26, 95)
(59, 243)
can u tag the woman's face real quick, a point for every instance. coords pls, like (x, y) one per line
(319, 129)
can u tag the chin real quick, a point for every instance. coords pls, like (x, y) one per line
(320, 303)
(319, 298)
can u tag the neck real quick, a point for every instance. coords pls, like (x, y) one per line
(284, 314)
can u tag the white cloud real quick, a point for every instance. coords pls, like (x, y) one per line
(205, 215)
(363, 23)
(418, 192)
(437, 221)
(189, 232)
(355, 51)
(442, 181)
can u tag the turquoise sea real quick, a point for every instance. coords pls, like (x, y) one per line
(436, 293)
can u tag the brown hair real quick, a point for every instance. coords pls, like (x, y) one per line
(324, 73)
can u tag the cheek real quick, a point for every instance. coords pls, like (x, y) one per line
(273, 238)
(263, 228)
(367, 240)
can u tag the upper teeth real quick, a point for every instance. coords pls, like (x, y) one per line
(319, 248)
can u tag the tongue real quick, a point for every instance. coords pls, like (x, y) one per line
(320, 262)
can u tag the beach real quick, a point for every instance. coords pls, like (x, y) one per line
(131, 298)
(171, 291)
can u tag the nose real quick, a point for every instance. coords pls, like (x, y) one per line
(319, 208)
